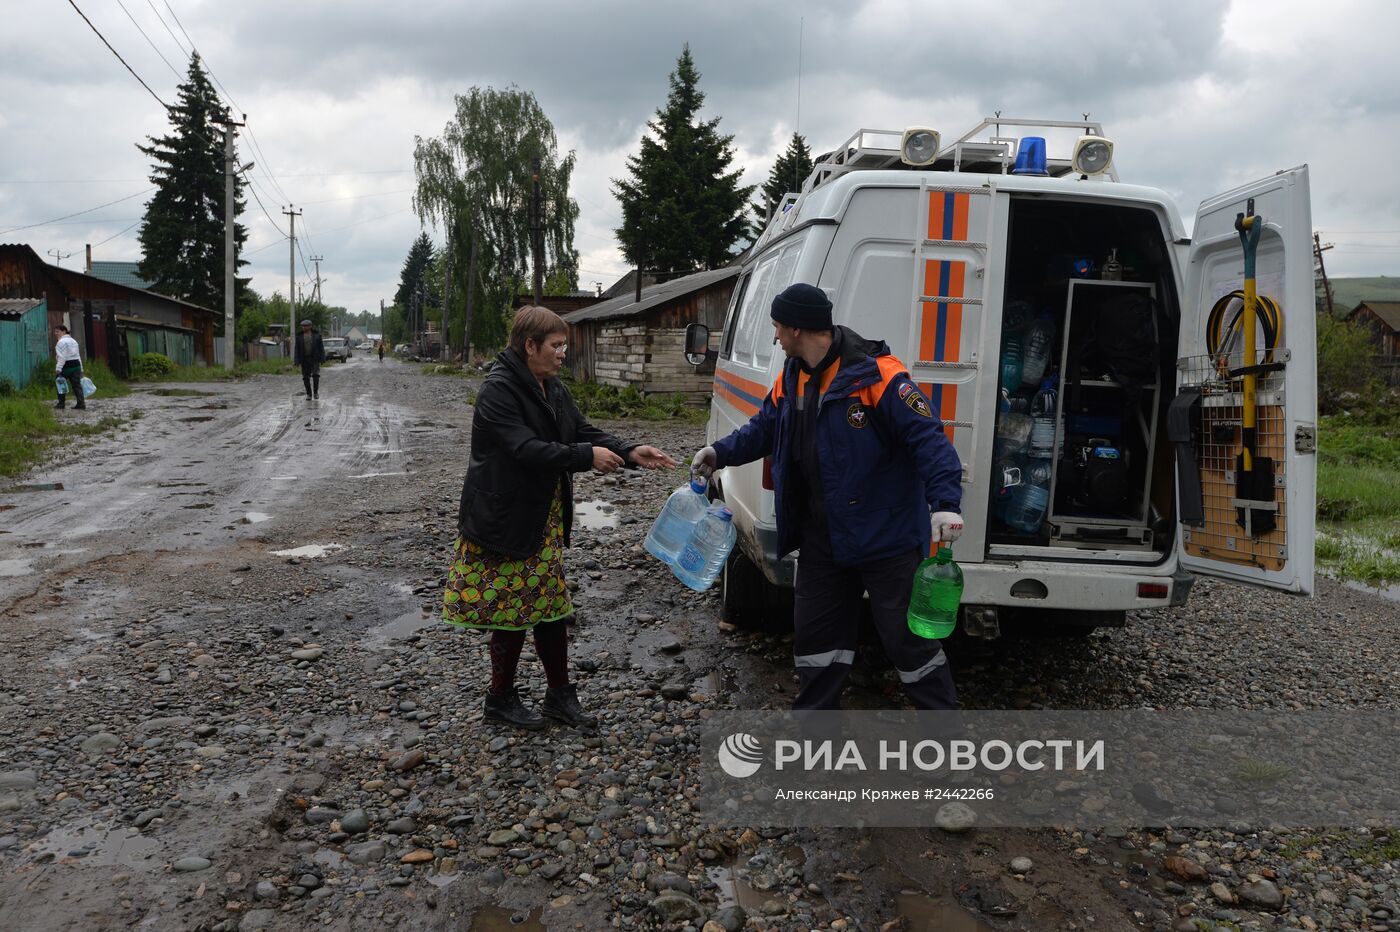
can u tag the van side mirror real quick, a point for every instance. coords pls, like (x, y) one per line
(697, 343)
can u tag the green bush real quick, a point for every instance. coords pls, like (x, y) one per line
(7, 387)
(1346, 371)
(151, 366)
(603, 401)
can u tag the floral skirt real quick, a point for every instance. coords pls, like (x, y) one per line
(488, 590)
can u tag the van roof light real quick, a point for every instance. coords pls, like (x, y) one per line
(1030, 157)
(1092, 155)
(919, 146)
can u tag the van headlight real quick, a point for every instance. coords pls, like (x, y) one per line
(919, 146)
(1092, 155)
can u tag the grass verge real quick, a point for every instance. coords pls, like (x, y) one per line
(217, 374)
(1358, 492)
(29, 430)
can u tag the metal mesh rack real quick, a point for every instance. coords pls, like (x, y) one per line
(1225, 535)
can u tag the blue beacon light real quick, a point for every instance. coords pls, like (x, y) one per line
(1030, 157)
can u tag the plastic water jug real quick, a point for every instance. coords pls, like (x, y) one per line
(89, 389)
(1012, 360)
(1013, 433)
(1039, 342)
(1006, 477)
(938, 588)
(1026, 512)
(704, 554)
(672, 528)
(1042, 443)
(61, 384)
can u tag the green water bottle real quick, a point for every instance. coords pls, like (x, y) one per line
(938, 586)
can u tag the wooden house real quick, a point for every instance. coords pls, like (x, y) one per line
(1382, 318)
(630, 343)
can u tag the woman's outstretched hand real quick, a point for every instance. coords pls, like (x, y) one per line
(605, 460)
(652, 458)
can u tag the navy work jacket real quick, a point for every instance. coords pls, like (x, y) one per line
(885, 462)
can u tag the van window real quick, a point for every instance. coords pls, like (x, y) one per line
(780, 279)
(726, 348)
(753, 316)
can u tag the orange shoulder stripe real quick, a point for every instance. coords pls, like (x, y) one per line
(889, 367)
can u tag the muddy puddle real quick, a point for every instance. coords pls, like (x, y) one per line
(309, 551)
(595, 514)
(105, 847)
(924, 913)
(35, 487)
(500, 919)
(1389, 591)
(410, 622)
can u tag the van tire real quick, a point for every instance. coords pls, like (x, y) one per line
(749, 601)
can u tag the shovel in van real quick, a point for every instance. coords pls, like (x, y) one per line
(1254, 474)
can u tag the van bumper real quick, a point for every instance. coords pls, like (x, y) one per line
(1031, 584)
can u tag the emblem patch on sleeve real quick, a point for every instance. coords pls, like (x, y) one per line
(916, 402)
(856, 416)
(904, 389)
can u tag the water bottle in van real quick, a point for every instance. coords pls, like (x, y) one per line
(1026, 511)
(1042, 443)
(1037, 346)
(682, 511)
(704, 554)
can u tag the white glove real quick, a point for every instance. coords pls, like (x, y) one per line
(704, 462)
(946, 526)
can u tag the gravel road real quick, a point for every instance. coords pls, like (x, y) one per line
(226, 703)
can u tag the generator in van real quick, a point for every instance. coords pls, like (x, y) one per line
(1119, 426)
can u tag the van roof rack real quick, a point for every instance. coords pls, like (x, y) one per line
(985, 149)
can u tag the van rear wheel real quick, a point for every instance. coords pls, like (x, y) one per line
(749, 601)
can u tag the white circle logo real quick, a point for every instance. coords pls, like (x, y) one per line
(741, 755)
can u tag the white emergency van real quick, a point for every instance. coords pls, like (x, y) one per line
(953, 253)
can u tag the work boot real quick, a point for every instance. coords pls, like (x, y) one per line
(60, 405)
(562, 706)
(80, 406)
(512, 710)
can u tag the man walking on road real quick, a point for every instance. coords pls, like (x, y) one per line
(863, 478)
(69, 365)
(309, 352)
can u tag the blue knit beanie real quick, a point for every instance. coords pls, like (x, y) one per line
(803, 306)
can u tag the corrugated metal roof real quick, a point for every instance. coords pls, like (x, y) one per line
(652, 295)
(15, 308)
(1387, 311)
(121, 273)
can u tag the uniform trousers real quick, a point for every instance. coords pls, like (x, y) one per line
(827, 612)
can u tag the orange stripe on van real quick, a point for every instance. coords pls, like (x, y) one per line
(948, 215)
(745, 395)
(940, 329)
(945, 402)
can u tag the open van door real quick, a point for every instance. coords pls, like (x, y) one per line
(1252, 523)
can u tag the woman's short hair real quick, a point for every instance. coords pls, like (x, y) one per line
(63, 327)
(533, 322)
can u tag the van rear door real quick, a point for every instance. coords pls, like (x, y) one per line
(1264, 542)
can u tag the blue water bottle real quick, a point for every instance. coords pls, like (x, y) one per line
(672, 528)
(703, 556)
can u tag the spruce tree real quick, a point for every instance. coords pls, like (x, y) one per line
(182, 235)
(415, 272)
(682, 207)
(789, 172)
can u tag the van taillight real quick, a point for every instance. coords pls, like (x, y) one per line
(768, 473)
(1152, 590)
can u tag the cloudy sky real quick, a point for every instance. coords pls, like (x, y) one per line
(1199, 95)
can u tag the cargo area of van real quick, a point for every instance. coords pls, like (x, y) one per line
(1086, 370)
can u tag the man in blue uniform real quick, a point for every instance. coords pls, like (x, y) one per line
(863, 479)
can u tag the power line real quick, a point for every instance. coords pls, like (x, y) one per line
(359, 197)
(252, 187)
(115, 235)
(183, 50)
(77, 213)
(148, 39)
(119, 58)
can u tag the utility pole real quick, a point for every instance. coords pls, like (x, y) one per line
(59, 257)
(230, 246)
(292, 216)
(471, 292)
(1318, 250)
(316, 291)
(446, 352)
(381, 320)
(537, 229)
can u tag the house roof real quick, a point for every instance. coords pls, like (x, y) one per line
(652, 295)
(121, 273)
(1387, 311)
(15, 308)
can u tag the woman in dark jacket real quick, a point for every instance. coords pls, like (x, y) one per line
(507, 575)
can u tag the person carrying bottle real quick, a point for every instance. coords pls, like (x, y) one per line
(507, 572)
(68, 364)
(863, 478)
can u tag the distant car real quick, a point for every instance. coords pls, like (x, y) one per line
(365, 345)
(401, 348)
(337, 348)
